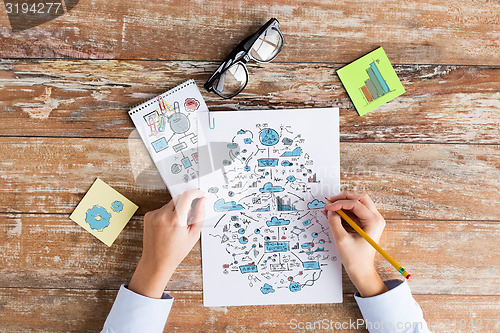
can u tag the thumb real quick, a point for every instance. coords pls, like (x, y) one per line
(198, 217)
(335, 223)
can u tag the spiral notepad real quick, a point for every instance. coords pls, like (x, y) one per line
(168, 126)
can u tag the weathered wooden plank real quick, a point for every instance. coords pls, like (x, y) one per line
(90, 98)
(424, 31)
(51, 175)
(66, 310)
(51, 251)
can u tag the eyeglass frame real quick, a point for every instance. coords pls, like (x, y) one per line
(241, 54)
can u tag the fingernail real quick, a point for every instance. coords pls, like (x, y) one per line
(330, 213)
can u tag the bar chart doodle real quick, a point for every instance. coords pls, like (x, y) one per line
(370, 81)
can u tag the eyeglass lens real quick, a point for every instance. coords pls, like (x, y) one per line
(267, 45)
(264, 49)
(232, 81)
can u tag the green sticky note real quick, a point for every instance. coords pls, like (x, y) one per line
(370, 81)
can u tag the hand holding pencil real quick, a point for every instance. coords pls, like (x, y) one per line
(356, 253)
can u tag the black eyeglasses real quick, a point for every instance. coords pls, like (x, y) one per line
(232, 75)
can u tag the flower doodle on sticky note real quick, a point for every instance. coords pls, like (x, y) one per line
(98, 218)
(117, 206)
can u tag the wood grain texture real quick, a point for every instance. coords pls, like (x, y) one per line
(51, 175)
(86, 311)
(430, 158)
(51, 251)
(424, 31)
(443, 104)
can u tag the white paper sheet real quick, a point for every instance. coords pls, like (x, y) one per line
(167, 125)
(266, 175)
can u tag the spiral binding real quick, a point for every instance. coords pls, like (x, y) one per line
(153, 100)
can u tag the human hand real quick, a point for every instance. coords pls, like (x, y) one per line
(169, 235)
(357, 255)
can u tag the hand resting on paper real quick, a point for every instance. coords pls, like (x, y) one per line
(357, 255)
(169, 235)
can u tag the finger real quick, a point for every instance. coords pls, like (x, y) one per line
(360, 210)
(167, 210)
(183, 205)
(363, 197)
(372, 224)
(175, 199)
(198, 217)
(170, 206)
(344, 195)
(336, 227)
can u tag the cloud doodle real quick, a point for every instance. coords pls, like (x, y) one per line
(315, 204)
(268, 187)
(222, 206)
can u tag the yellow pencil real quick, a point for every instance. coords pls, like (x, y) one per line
(372, 243)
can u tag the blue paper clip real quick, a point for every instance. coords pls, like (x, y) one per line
(211, 121)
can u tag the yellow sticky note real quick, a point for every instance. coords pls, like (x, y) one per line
(103, 212)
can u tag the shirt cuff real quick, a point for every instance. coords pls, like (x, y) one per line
(393, 311)
(132, 312)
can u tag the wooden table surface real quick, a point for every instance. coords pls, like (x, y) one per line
(430, 158)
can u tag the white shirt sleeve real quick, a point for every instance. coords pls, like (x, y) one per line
(393, 311)
(132, 312)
